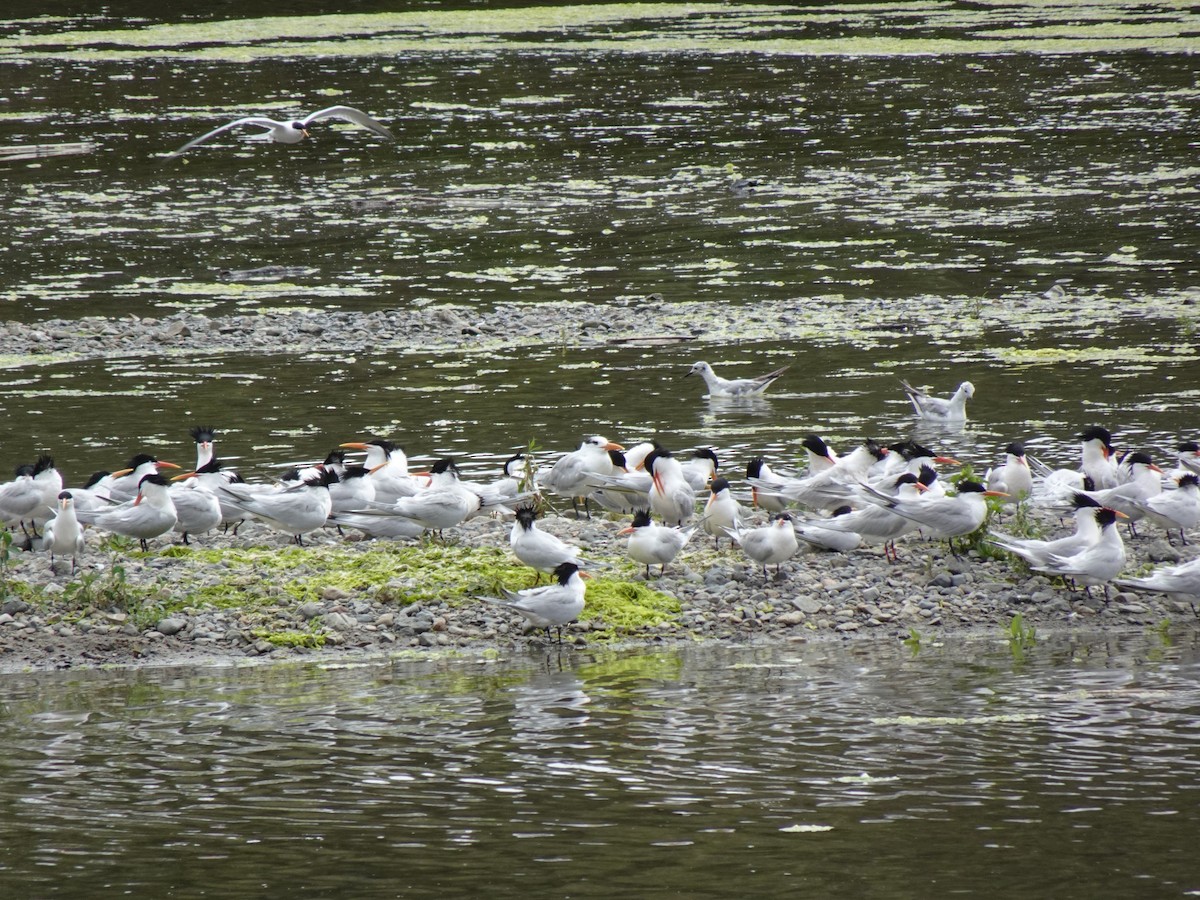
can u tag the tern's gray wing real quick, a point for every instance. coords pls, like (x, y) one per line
(258, 121)
(349, 114)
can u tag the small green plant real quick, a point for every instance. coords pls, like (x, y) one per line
(6, 540)
(913, 641)
(1164, 632)
(1021, 637)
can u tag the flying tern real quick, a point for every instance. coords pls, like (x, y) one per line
(291, 132)
(734, 387)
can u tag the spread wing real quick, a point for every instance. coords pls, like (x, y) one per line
(257, 121)
(348, 114)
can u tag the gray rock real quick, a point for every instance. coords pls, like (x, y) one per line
(12, 607)
(170, 626)
(310, 610)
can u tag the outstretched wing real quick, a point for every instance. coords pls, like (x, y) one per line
(257, 121)
(350, 114)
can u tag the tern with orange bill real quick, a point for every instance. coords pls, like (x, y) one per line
(149, 515)
(550, 606)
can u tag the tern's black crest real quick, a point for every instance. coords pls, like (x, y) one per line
(910, 478)
(564, 571)
(442, 466)
(707, 453)
(526, 516)
(815, 444)
(874, 449)
(783, 517)
(641, 518)
(1105, 516)
(386, 446)
(1016, 448)
(355, 472)
(140, 459)
(841, 511)
(1138, 457)
(22, 470)
(970, 487)
(292, 474)
(1096, 433)
(719, 484)
(64, 495)
(1188, 447)
(335, 458)
(324, 479)
(516, 457)
(44, 463)
(1189, 481)
(203, 434)
(210, 468)
(928, 476)
(617, 458)
(96, 478)
(754, 467)
(153, 478)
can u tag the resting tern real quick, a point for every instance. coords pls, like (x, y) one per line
(291, 132)
(31, 493)
(572, 475)
(652, 544)
(816, 534)
(126, 482)
(770, 544)
(877, 524)
(758, 472)
(538, 549)
(1144, 481)
(945, 517)
(1096, 459)
(938, 409)
(734, 387)
(63, 535)
(828, 489)
(94, 494)
(297, 510)
(150, 514)
(353, 489)
(701, 468)
(1188, 456)
(197, 508)
(1038, 552)
(553, 605)
(1183, 580)
(1098, 564)
(1179, 508)
(444, 504)
(388, 467)
(373, 525)
(670, 495)
(721, 513)
(1013, 477)
(820, 455)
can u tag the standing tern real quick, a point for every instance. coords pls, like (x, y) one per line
(734, 387)
(444, 504)
(1143, 481)
(94, 494)
(1038, 552)
(721, 513)
(388, 468)
(769, 545)
(1013, 477)
(1178, 509)
(815, 533)
(553, 605)
(31, 493)
(671, 497)
(652, 544)
(62, 534)
(1188, 455)
(149, 515)
(538, 549)
(758, 472)
(291, 132)
(820, 455)
(1099, 563)
(572, 474)
(938, 409)
(126, 482)
(878, 524)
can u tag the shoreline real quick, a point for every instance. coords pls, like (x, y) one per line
(257, 610)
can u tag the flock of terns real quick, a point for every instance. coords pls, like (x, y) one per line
(872, 495)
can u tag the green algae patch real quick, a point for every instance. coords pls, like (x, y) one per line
(386, 573)
(624, 607)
